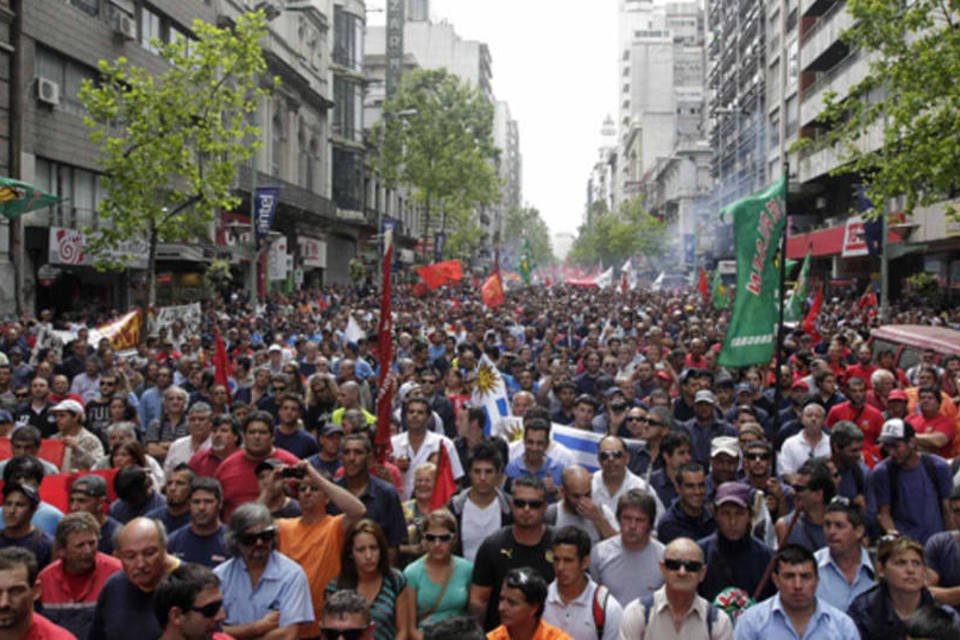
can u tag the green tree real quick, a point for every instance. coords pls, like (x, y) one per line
(910, 94)
(171, 143)
(443, 147)
(614, 237)
(524, 224)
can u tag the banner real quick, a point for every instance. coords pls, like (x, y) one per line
(124, 332)
(490, 393)
(385, 381)
(758, 225)
(189, 314)
(794, 306)
(440, 273)
(265, 202)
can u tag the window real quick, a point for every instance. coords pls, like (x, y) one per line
(67, 74)
(347, 109)
(792, 115)
(347, 39)
(81, 189)
(278, 140)
(91, 7)
(774, 135)
(150, 29)
(348, 179)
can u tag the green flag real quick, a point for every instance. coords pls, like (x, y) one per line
(793, 310)
(526, 261)
(758, 224)
(18, 198)
(720, 298)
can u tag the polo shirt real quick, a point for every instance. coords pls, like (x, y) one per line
(833, 587)
(658, 623)
(576, 617)
(431, 444)
(383, 507)
(237, 476)
(767, 620)
(206, 550)
(283, 587)
(550, 467)
(299, 443)
(43, 629)
(602, 497)
(73, 610)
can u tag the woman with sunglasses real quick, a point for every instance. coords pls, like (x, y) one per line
(440, 580)
(901, 590)
(365, 567)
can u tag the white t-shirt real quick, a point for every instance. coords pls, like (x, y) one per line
(476, 523)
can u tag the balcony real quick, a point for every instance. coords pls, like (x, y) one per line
(839, 79)
(815, 7)
(824, 158)
(822, 48)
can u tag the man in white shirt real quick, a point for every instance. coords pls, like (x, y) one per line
(809, 443)
(628, 564)
(575, 603)
(200, 424)
(614, 478)
(414, 446)
(482, 508)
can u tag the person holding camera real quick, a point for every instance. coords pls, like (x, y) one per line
(315, 539)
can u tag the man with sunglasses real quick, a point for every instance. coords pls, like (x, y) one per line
(614, 479)
(264, 591)
(346, 616)
(527, 542)
(675, 610)
(757, 472)
(189, 605)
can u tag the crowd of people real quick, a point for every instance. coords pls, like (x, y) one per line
(813, 500)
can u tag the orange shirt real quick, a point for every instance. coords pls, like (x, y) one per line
(317, 548)
(544, 632)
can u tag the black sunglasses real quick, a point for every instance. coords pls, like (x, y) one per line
(522, 504)
(208, 610)
(346, 634)
(250, 539)
(758, 456)
(610, 455)
(637, 419)
(438, 537)
(800, 487)
(692, 566)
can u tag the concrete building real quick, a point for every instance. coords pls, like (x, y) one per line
(506, 136)
(601, 187)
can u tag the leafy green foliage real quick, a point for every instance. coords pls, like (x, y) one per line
(171, 143)
(614, 237)
(442, 146)
(910, 94)
(217, 277)
(524, 224)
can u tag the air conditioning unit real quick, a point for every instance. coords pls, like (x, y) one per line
(125, 26)
(48, 91)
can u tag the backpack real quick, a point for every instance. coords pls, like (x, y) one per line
(929, 468)
(647, 603)
(600, 596)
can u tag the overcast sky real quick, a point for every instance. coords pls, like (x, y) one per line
(555, 63)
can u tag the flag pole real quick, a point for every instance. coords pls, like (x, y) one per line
(777, 390)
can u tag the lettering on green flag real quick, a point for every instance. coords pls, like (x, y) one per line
(758, 225)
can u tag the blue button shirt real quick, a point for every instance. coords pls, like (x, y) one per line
(283, 587)
(767, 620)
(834, 588)
(518, 469)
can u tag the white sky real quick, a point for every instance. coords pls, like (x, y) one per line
(555, 63)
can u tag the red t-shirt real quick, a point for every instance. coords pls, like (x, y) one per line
(204, 463)
(937, 424)
(43, 629)
(238, 478)
(862, 372)
(870, 421)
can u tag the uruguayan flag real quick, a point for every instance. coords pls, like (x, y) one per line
(583, 445)
(490, 392)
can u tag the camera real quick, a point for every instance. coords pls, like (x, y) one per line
(293, 472)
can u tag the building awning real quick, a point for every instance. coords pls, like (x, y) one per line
(832, 241)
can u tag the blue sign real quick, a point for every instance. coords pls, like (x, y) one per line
(265, 200)
(689, 248)
(439, 243)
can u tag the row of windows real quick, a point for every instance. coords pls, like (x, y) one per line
(81, 190)
(347, 39)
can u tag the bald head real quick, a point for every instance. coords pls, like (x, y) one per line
(141, 546)
(684, 546)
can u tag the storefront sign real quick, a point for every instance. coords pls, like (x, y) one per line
(313, 252)
(854, 239)
(66, 247)
(279, 262)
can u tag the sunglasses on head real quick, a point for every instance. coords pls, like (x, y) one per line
(692, 566)
(346, 634)
(209, 610)
(249, 539)
(438, 537)
(522, 504)
(610, 455)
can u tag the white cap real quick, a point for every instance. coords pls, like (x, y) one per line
(70, 405)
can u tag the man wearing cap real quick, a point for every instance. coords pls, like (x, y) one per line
(724, 462)
(811, 442)
(88, 494)
(898, 405)
(734, 557)
(72, 583)
(83, 449)
(225, 438)
(705, 426)
(20, 502)
(328, 457)
(912, 488)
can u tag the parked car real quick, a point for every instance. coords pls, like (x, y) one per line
(908, 341)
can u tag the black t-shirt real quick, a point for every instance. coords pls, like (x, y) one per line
(499, 553)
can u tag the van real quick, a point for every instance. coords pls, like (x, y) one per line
(908, 341)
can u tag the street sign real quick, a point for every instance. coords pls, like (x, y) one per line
(298, 277)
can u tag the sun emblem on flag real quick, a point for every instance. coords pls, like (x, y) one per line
(486, 379)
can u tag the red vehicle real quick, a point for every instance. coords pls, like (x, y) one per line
(908, 341)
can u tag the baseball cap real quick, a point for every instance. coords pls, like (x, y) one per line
(725, 444)
(705, 395)
(91, 485)
(743, 387)
(800, 385)
(896, 429)
(274, 347)
(269, 463)
(897, 394)
(331, 428)
(25, 489)
(612, 391)
(724, 380)
(72, 406)
(735, 492)
(663, 375)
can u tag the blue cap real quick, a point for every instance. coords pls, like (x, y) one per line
(5, 416)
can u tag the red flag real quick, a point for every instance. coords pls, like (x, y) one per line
(624, 284)
(810, 322)
(445, 486)
(868, 299)
(432, 275)
(385, 337)
(222, 369)
(492, 291)
(451, 268)
(704, 287)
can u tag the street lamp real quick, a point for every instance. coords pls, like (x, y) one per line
(385, 117)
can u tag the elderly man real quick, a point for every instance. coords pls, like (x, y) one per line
(83, 449)
(577, 507)
(264, 591)
(87, 384)
(170, 425)
(125, 605)
(72, 584)
(188, 604)
(182, 449)
(675, 610)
